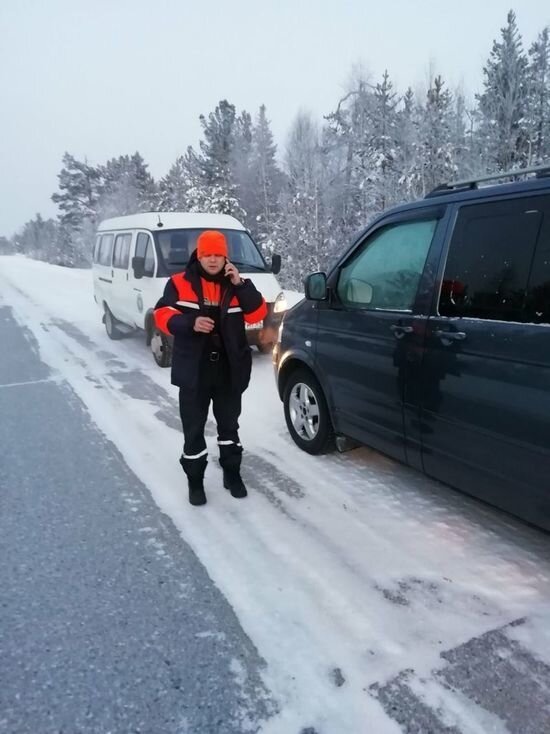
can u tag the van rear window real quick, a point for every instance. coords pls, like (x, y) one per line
(105, 251)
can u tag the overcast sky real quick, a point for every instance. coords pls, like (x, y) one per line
(108, 77)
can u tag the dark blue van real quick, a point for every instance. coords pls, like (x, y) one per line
(429, 340)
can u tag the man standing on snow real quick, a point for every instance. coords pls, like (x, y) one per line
(205, 309)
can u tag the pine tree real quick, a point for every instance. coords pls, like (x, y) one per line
(241, 160)
(266, 180)
(382, 145)
(409, 155)
(502, 132)
(173, 188)
(6, 246)
(211, 198)
(80, 186)
(38, 239)
(301, 231)
(127, 187)
(214, 189)
(217, 146)
(460, 142)
(347, 142)
(435, 131)
(539, 99)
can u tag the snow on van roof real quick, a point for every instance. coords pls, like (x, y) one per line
(170, 220)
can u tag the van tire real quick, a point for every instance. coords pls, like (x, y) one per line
(160, 347)
(112, 325)
(303, 383)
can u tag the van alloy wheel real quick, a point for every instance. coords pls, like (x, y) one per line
(306, 413)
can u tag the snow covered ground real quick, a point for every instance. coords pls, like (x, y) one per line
(357, 579)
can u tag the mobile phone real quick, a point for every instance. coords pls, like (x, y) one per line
(224, 267)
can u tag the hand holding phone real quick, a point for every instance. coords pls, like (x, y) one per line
(232, 273)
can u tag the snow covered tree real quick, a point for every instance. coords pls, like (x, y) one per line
(88, 194)
(78, 199)
(461, 142)
(502, 133)
(173, 188)
(38, 239)
(241, 158)
(346, 143)
(213, 198)
(127, 187)
(435, 128)
(409, 153)
(213, 188)
(539, 100)
(301, 233)
(382, 145)
(266, 180)
(218, 144)
(80, 186)
(6, 246)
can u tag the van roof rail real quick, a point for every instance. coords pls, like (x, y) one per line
(469, 184)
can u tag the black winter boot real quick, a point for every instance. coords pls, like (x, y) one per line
(195, 469)
(232, 479)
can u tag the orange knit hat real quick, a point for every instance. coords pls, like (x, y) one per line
(211, 242)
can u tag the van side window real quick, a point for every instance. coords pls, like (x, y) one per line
(149, 268)
(141, 244)
(105, 250)
(386, 271)
(537, 303)
(489, 260)
(121, 254)
(95, 257)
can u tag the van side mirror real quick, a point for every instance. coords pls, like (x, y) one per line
(276, 264)
(316, 287)
(138, 266)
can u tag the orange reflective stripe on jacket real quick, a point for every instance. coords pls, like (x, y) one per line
(212, 294)
(162, 316)
(184, 288)
(258, 315)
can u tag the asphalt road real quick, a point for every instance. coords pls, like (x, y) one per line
(108, 621)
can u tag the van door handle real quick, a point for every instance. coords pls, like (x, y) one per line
(400, 331)
(452, 336)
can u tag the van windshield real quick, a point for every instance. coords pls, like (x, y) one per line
(175, 246)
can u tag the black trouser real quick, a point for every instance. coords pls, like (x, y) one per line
(214, 385)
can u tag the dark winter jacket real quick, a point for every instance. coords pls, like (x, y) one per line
(186, 296)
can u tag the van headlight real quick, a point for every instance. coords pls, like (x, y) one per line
(281, 304)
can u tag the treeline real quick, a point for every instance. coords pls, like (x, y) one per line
(376, 148)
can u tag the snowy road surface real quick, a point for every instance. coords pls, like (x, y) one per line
(346, 595)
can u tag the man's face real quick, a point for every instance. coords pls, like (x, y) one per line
(213, 264)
